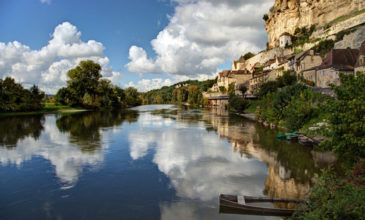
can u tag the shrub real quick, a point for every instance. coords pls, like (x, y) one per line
(237, 104)
(248, 55)
(265, 17)
(333, 198)
(324, 47)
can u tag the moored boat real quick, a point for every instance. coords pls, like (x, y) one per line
(238, 205)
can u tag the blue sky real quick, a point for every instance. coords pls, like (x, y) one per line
(188, 40)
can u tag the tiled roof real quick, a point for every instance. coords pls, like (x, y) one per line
(340, 59)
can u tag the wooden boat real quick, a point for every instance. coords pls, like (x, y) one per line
(238, 205)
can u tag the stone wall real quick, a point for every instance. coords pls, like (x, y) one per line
(353, 40)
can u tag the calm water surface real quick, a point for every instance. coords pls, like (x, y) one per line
(153, 162)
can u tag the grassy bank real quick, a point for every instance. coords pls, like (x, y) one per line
(47, 108)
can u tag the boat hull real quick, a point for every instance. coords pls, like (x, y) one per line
(229, 204)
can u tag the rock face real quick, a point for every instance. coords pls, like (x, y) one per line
(287, 15)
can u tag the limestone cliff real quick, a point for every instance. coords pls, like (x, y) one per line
(287, 15)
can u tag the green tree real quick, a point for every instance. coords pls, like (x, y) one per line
(84, 79)
(348, 118)
(132, 97)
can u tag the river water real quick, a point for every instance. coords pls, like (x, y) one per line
(151, 162)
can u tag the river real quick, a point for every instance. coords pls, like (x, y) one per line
(150, 162)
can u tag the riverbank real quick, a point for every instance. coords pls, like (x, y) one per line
(47, 108)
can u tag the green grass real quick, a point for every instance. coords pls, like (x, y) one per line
(252, 107)
(345, 17)
(48, 107)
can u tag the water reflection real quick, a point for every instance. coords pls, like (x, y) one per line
(70, 142)
(13, 129)
(200, 166)
(172, 162)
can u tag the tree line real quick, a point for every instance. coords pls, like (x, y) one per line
(190, 91)
(85, 88)
(14, 98)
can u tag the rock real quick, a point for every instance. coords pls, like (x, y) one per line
(304, 140)
(287, 15)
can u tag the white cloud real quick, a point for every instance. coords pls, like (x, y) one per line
(149, 84)
(67, 158)
(202, 35)
(48, 66)
(202, 162)
(46, 1)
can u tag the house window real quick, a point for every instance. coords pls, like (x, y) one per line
(323, 72)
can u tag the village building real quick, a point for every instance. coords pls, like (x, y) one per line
(304, 64)
(239, 64)
(336, 61)
(360, 63)
(285, 40)
(257, 80)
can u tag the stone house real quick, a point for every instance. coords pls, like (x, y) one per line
(239, 64)
(336, 61)
(238, 77)
(285, 40)
(360, 63)
(306, 60)
(258, 79)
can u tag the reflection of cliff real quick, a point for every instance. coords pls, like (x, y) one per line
(13, 129)
(279, 184)
(291, 167)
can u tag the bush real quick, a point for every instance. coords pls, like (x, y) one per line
(334, 198)
(324, 47)
(299, 111)
(265, 17)
(237, 104)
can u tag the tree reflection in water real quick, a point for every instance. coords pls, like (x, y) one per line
(84, 129)
(15, 128)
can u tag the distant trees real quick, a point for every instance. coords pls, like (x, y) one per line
(86, 88)
(14, 98)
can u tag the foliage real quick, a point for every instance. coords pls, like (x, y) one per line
(243, 89)
(231, 88)
(324, 47)
(347, 118)
(195, 97)
(237, 103)
(291, 106)
(299, 110)
(178, 93)
(248, 55)
(288, 78)
(334, 197)
(265, 17)
(302, 36)
(87, 89)
(14, 98)
(222, 89)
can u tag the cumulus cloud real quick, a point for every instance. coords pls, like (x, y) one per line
(202, 35)
(48, 66)
(199, 158)
(149, 84)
